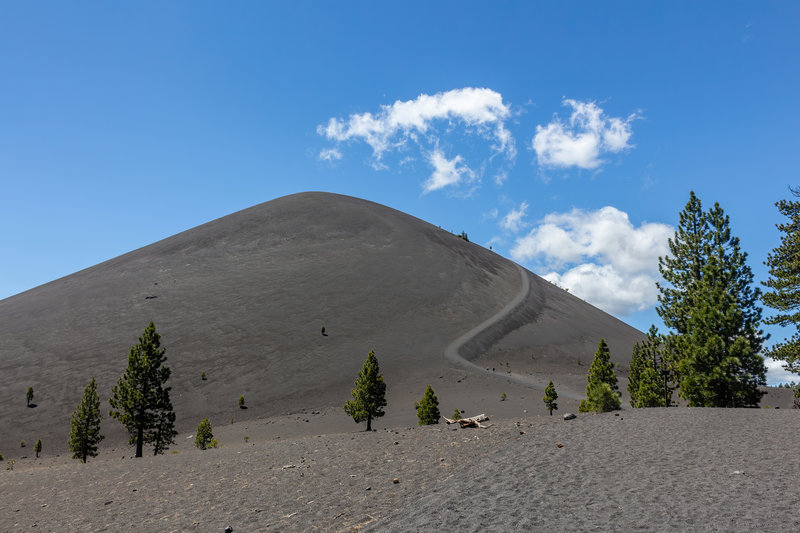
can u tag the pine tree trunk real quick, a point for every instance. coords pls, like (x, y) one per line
(369, 423)
(139, 441)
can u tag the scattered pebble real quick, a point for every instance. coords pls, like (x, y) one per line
(395, 481)
(559, 445)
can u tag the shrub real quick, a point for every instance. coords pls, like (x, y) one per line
(22, 444)
(601, 398)
(38, 447)
(456, 415)
(203, 376)
(29, 396)
(503, 397)
(204, 435)
(10, 464)
(241, 402)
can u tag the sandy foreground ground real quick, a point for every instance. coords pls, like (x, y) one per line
(678, 469)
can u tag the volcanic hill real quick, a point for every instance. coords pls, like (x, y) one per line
(243, 298)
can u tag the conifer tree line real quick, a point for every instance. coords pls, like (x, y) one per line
(712, 351)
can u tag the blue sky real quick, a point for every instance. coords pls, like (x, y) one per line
(564, 136)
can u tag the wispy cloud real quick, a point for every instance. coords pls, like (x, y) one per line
(581, 141)
(598, 255)
(330, 154)
(513, 222)
(405, 124)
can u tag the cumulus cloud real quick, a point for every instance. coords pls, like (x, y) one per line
(513, 221)
(599, 255)
(395, 127)
(581, 140)
(776, 374)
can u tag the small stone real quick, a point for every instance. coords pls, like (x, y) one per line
(369, 488)
(395, 481)
(559, 445)
(228, 529)
(570, 416)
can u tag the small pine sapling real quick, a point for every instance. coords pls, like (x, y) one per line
(204, 435)
(29, 396)
(323, 331)
(203, 376)
(550, 396)
(38, 447)
(456, 415)
(428, 408)
(241, 403)
(22, 444)
(503, 397)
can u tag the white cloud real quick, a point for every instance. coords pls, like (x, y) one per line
(446, 171)
(513, 220)
(581, 141)
(479, 111)
(599, 255)
(330, 154)
(776, 374)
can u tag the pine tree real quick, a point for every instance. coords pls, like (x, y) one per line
(650, 373)
(711, 306)
(550, 397)
(140, 399)
(784, 285)
(369, 396)
(38, 447)
(428, 408)
(29, 396)
(599, 381)
(84, 434)
(204, 435)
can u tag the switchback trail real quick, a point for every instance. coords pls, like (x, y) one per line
(453, 350)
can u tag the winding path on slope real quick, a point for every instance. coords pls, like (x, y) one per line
(453, 350)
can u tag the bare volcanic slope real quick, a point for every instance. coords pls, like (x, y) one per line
(244, 298)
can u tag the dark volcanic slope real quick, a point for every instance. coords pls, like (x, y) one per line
(243, 298)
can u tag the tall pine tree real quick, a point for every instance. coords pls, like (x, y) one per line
(369, 396)
(84, 433)
(783, 285)
(428, 408)
(140, 399)
(710, 304)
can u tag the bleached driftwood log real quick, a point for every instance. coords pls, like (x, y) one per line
(471, 422)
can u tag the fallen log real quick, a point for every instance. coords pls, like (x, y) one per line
(470, 422)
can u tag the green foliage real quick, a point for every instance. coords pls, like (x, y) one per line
(428, 408)
(22, 444)
(369, 395)
(651, 373)
(599, 381)
(783, 285)
(204, 435)
(456, 416)
(323, 329)
(601, 398)
(10, 464)
(464, 236)
(550, 397)
(710, 304)
(203, 376)
(140, 400)
(503, 397)
(29, 396)
(38, 447)
(241, 402)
